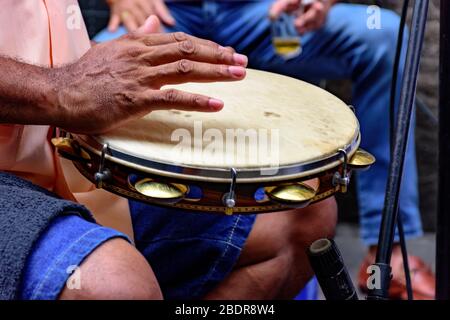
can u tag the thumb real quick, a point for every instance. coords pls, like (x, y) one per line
(151, 25)
(281, 6)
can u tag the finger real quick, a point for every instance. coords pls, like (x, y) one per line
(151, 25)
(114, 22)
(176, 99)
(139, 16)
(167, 38)
(229, 48)
(146, 7)
(306, 18)
(129, 21)
(164, 13)
(192, 71)
(188, 49)
(281, 6)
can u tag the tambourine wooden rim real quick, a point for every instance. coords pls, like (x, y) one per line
(319, 150)
(179, 171)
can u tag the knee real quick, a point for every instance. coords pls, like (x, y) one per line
(314, 222)
(385, 36)
(379, 40)
(115, 270)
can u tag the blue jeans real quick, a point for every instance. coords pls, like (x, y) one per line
(343, 48)
(62, 247)
(190, 253)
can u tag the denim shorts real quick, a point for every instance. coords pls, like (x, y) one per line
(189, 252)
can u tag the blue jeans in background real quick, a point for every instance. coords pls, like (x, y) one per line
(344, 48)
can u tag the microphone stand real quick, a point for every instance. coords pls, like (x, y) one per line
(443, 218)
(390, 211)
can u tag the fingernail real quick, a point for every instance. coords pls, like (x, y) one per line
(240, 59)
(237, 71)
(215, 104)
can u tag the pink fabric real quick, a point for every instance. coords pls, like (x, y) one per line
(50, 33)
(37, 32)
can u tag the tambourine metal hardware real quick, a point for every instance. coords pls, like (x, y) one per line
(229, 198)
(352, 108)
(70, 149)
(161, 192)
(361, 160)
(296, 195)
(102, 175)
(342, 181)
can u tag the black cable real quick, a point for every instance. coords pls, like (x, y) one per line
(403, 122)
(401, 235)
(398, 53)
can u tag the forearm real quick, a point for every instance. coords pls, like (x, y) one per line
(28, 94)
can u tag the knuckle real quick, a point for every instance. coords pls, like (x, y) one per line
(196, 100)
(184, 66)
(212, 44)
(170, 95)
(231, 49)
(133, 52)
(187, 47)
(179, 36)
(222, 55)
(147, 41)
(221, 70)
(126, 98)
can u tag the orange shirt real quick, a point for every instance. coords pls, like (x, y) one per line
(49, 33)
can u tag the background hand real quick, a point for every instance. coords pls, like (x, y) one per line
(132, 13)
(313, 17)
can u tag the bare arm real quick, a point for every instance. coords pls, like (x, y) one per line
(115, 82)
(27, 93)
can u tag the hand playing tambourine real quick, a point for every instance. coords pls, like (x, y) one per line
(123, 79)
(132, 13)
(314, 12)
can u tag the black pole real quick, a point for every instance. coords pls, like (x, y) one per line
(388, 222)
(443, 218)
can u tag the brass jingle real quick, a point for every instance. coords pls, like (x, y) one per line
(70, 148)
(361, 160)
(160, 191)
(295, 195)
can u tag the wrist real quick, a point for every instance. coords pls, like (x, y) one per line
(56, 92)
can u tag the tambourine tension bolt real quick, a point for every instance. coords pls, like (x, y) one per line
(229, 199)
(342, 180)
(230, 202)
